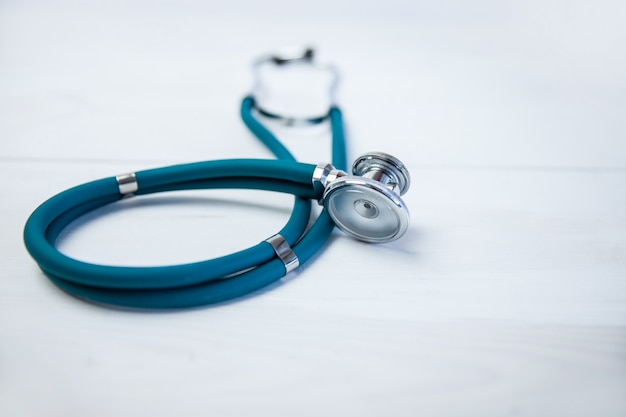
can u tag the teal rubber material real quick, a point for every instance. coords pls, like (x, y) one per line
(199, 283)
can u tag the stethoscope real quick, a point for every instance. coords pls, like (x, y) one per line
(366, 205)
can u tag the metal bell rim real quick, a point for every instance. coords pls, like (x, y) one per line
(395, 203)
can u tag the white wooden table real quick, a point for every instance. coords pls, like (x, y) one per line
(507, 296)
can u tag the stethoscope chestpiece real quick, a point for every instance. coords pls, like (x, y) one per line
(367, 204)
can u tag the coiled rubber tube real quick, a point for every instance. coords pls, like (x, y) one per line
(198, 283)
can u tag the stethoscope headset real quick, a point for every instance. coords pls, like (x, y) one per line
(366, 205)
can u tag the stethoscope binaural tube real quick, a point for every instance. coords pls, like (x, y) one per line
(198, 283)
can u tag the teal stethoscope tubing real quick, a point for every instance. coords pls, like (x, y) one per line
(199, 283)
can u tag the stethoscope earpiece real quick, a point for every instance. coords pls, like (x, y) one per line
(306, 57)
(367, 204)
